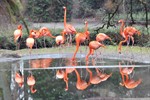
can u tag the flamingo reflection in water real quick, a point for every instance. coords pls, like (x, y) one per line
(63, 74)
(99, 77)
(19, 78)
(80, 84)
(69, 70)
(41, 63)
(31, 82)
(127, 82)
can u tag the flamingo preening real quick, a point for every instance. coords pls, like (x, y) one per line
(68, 28)
(30, 40)
(127, 33)
(17, 36)
(19, 78)
(80, 38)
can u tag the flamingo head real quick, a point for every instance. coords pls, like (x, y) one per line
(19, 27)
(34, 33)
(121, 21)
(64, 7)
(85, 22)
(138, 32)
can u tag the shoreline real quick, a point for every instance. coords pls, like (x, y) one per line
(136, 54)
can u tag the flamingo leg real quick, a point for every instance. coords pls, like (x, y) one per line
(66, 80)
(132, 38)
(77, 48)
(120, 44)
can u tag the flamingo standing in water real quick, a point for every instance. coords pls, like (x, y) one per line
(31, 83)
(80, 38)
(17, 36)
(68, 28)
(30, 39)
(126, 33)
(93, 45)
(19, 78)
(81, 84)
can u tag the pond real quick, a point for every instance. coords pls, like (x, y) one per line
(49, 85)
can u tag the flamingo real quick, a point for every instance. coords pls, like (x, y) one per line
(68, 28)
(126, 33)
(100, 37)
(93, 79)
(44, 31)
(19, 78)
(30, 39)
(18, 35)
(93, 45)
(31, 82)
(81, 84)
(80, 38)
(129, 83)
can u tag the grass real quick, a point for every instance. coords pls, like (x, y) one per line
(108, 49)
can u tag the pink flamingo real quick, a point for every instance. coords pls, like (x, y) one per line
(80, 38)
(68, 29)
(127, 33)
(18, 35)
(93, 45)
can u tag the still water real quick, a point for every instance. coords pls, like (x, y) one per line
(49, 86)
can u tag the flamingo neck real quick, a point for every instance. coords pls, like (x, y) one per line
(65, 17)
(86, 27)
(90, 72)
(121, 28)
(78, 76)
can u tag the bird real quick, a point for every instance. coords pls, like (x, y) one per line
(80, 38)
(44, 31)
(19, 78)
(68, 28)
(31, 82)
(30, 40)
(129, 83)
(94, 79)
(18, 36)
(93, 45)
(127, 33)
(100, 37)
(80, 84)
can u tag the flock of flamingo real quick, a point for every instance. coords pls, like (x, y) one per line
(126, 32)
